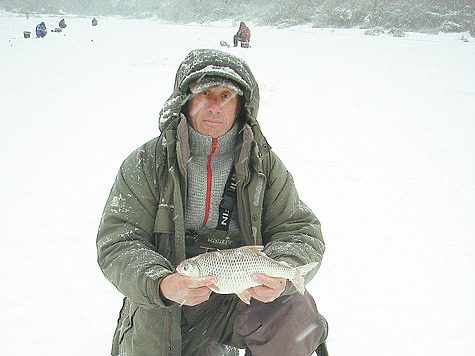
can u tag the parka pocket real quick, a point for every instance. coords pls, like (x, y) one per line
(127, 322)
(164, 229)
(124, 325)
(127, 319)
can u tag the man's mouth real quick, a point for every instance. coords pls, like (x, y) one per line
(212, 121)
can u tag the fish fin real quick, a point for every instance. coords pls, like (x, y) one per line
(245, 296)
(256, 248)
(303, 270)
(298, 283)
(284, 263)
(214, 288)
(298, 280)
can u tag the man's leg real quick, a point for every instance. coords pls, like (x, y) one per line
(290, 325)
(206, 325)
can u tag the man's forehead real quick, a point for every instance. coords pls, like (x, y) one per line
(207, 82)
(220, 89)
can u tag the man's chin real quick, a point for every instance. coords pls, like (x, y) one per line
(214, 132)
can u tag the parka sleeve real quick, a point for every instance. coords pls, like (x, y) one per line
(290, 230)
(125, 245)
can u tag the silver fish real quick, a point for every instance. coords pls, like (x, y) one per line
(233, 269)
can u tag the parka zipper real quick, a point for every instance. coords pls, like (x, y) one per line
(209, 176)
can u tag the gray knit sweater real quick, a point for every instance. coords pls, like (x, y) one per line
(197, 173)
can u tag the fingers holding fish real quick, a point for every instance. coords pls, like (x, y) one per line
(276, 283)
(186, 290)
(197, 282)
(264, 294)
(270, 288)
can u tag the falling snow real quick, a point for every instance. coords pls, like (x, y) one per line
(376, 130)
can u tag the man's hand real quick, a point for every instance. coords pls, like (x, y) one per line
(186, 290)
(271, 287)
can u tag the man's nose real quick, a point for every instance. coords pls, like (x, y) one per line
(214, 104)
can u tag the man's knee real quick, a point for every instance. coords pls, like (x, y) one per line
(288, 325)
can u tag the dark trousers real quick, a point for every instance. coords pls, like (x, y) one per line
(290, 325)
(243, 44)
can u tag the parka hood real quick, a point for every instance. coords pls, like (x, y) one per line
(211, 62)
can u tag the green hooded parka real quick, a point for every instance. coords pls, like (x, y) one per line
(141, 236)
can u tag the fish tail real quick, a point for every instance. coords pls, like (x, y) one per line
(298, 280)
(298, 283)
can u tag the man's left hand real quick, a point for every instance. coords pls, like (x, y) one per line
(270, 289)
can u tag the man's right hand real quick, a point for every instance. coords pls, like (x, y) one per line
(186, 290)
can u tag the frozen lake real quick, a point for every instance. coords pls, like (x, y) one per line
(378, 133)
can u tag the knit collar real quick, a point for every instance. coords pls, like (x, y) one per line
(200, 144)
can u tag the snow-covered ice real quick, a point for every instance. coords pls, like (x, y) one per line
(377, 131)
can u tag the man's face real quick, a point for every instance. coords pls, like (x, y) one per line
(213, 111)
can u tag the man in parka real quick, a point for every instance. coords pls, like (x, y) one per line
(172, 199)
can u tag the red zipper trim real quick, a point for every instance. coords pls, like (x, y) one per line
(209, 176)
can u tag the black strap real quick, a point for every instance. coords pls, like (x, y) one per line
(228, 202)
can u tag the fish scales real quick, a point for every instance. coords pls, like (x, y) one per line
(233, 269)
